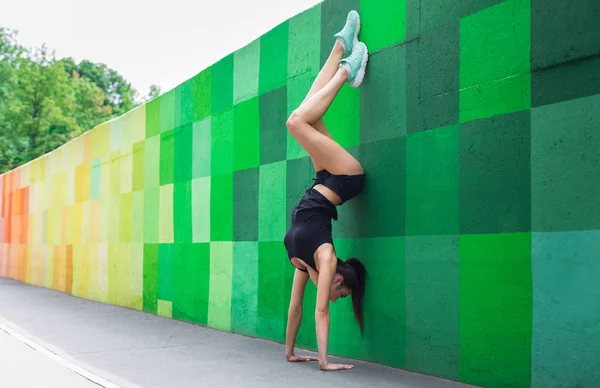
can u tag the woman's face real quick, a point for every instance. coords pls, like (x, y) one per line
(337, 290)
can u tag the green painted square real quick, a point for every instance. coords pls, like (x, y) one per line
(568, 81)
(165, 271)
(222, 143)
(297, 89)
(432, 182)
(150, 281)
(222, 84)
(433, 79)
(221, 208)
(383, 22)
(383, 96)
(167, 111)
(153, 118)
(273, 58)
(565, 270)
(384, 205)
(202, 94)
(95, 180)
(138, 171)
(246, 62)
(191, 281)
(246, 147)
(125, 215)
(272, 202)
(166, 216)
(273, 132)
(385, 277)
(182, 211)
(151, 206)
(184, 103)
(563, 32)
(167, 157)
(201, 209)
(495, 288)
(115, 136)
(304, 42)
(494, 61)
(432, 305)
(299, 177)
(151, 162)
(244, 285)
(201, 144)
(219, 305)
(494, 174)
(271, 291)
(245, 205)
(468, 7)
(343, 117)
(565, 166)
(424, 15)
(183, 153)
(137, 211)
(333, 19)
(115, 173)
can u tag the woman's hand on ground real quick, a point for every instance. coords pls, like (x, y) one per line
(329, 367)
(294, 358)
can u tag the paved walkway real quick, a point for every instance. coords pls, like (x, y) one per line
(114, 346)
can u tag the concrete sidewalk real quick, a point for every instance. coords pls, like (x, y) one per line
(135, 349)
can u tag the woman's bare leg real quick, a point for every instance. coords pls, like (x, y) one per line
(324, 151)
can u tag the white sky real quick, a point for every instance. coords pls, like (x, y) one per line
(147, 41)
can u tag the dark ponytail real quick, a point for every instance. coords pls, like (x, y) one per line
(355, 275)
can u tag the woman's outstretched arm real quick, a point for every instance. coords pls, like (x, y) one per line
(295, 317)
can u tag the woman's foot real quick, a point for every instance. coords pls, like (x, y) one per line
(356, 64)
(348, 36)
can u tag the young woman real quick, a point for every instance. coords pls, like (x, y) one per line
(339, 178)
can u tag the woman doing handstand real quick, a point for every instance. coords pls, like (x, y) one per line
(339, 178)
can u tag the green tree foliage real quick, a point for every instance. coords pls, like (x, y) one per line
(45, 101)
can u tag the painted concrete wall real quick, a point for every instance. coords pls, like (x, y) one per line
(479, 128)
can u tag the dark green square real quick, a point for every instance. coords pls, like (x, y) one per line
(167, 157)
(221, 207)
(384, 195)
(182, 214)
(191, 282)
(563, 31)
(424, 15)
(468, 7)
(433, 80)
(222, 84)
(245, 205)
(222, 142)
(203, 94)
(333, 19)
(273, 58)
(568, 81)
(383, 96)
(300, 173)
(183, 153)
(565, 166)
(153, 118)
(272, 290)
(494, 174)
(432, 182)
(273, 133)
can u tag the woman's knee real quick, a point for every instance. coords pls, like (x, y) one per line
(293, 122)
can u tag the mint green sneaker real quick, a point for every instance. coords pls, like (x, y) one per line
(348, 36)
(356, 64)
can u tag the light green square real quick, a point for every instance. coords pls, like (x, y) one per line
(201, 140)
(167, 111)
(495, 61)
(219, 303)
(246, 63)
(125, 218)
(113, 213)
(305, 42)
(271, 202)
(151, 218)
(165, 230)
(201, 209)
(165, 308)
(137, 225)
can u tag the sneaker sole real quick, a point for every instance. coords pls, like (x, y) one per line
(361, 72)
